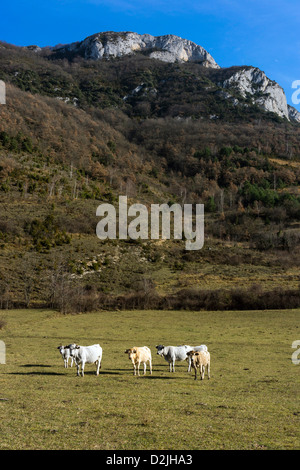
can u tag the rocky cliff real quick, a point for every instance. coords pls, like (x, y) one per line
(168, 48)
(252, 83)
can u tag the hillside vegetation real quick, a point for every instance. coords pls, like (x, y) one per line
(75, 133)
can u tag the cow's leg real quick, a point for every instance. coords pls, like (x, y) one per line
(78, 368)
(150, 365)
(145, 368)
(134, 369)
(138, 367)
(170, 366)
(82, 368)
(98, 366)
(173, 364)
(189, 364)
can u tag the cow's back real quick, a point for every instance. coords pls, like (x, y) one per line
(90, 353)
(175, 352)
(203, 358)
(145, 353)
(180, 353)
(202, 347)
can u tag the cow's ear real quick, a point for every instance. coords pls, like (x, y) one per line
(127, 351)
(77, 347)
(134, 351)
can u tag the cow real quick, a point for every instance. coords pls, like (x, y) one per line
(202, 347)
(86, 355)
(201, 360)
(65, 354)
(138, 355)
(172, 354)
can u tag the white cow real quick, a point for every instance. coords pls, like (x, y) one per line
(202, 347)
(65, 354)
(86, 355)
(172, 354)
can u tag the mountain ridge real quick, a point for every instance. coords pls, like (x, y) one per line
(169, 48)
(266, 93)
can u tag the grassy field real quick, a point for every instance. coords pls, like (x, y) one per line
(250, 402)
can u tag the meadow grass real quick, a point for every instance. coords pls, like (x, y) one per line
(250, 402)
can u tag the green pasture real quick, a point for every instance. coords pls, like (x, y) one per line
(250, 402)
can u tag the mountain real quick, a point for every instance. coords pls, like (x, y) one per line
(158, 120)
(168, 48)
(243, 86)
(248, 81)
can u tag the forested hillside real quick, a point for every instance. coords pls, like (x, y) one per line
(77, 132)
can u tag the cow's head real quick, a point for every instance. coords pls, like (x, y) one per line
(160, 349)
(73, 348)
(192, 355)
(130, 352)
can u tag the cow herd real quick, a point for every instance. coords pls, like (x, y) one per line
(197, 357)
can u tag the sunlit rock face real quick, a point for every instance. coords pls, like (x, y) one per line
(253, 83)
(167, 48)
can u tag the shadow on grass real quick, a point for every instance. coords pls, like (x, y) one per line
(35, 373)
(101, 373)
(35, 365)
(162, 377)
(110, 372)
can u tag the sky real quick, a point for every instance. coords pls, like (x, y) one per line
(261, 33)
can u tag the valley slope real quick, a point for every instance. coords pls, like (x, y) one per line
(79, 130)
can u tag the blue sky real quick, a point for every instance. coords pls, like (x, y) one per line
(261, 33)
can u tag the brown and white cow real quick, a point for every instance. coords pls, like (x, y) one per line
(138, 355)
(201, 360)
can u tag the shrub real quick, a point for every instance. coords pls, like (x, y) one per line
(46, 234)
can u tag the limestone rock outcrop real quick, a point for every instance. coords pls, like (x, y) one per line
(253, 83)
(168, 48)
